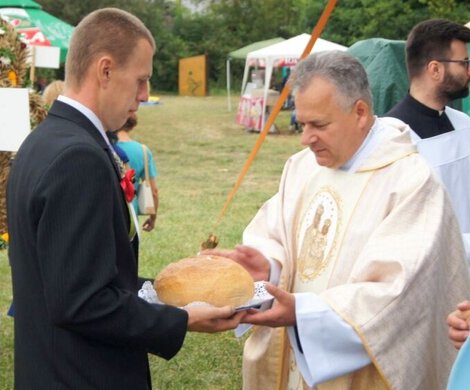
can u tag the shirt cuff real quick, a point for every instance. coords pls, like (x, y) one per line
(275, 271)
(331, 347)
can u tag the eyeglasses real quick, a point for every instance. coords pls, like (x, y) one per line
(464, 62)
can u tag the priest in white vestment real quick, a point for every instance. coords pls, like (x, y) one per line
(363, 245)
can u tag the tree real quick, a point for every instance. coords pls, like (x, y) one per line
(157, 15)
(226, 25)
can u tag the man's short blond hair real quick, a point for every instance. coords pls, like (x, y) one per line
(107, 31)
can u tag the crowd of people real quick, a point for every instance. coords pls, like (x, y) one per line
(361, 247)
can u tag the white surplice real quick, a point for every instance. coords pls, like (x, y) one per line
(376, 243)
(449, 155)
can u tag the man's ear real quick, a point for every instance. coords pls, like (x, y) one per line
(103, 69)
(362, 112)
(435, 70)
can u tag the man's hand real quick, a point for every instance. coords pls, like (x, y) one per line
(458, 327)
(251, 259)
(281, 314)
(212, 319)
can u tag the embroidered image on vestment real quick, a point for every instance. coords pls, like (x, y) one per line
(318, 233)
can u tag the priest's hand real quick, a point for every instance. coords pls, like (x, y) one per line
(282, 312)
(212, 319)
(458, 326)
(250, 258)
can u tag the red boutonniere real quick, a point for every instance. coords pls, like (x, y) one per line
(127, 185)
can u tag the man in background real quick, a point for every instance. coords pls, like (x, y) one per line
(79, 323)
(439, 72)
(141, 163)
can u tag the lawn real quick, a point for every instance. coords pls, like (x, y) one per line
(199, 151)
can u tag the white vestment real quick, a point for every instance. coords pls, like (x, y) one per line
(381, 247)
(449, 155)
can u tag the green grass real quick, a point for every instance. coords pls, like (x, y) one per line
(199, 151)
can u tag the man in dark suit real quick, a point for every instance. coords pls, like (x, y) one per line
(79, 323)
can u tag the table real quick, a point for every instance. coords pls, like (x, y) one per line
(250, 111)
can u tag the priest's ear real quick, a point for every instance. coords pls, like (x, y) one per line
(363, 111)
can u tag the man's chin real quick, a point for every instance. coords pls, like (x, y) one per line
(462, 93)
(324, 162)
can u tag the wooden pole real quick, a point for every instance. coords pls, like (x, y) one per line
(317, 30)
(32, 70)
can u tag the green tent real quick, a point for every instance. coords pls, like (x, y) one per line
(37, 26)
(466, 105)
(384, 61)
(243, 52)
(240, 54)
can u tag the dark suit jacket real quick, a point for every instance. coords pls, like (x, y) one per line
(79, 323)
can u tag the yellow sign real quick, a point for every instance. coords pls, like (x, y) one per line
(193, 76)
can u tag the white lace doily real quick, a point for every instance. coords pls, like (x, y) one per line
(148, 293)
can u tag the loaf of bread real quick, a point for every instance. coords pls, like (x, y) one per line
(216, 280)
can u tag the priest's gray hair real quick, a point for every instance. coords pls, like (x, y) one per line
(344, 71)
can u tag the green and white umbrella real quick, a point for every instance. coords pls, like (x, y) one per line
(36, 26)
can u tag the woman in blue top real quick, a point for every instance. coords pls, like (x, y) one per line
(135, 153)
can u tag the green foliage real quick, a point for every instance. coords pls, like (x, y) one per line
(226, 25)
(457, 10)
(355, 20)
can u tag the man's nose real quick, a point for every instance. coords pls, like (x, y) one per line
(308, 136)
(143, 95)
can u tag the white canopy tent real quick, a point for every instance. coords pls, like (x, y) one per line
(241, 55)
(285, 53)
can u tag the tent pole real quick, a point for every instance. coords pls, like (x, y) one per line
(277, 107)
(229, 101)
(268, 71)
(245, 76)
